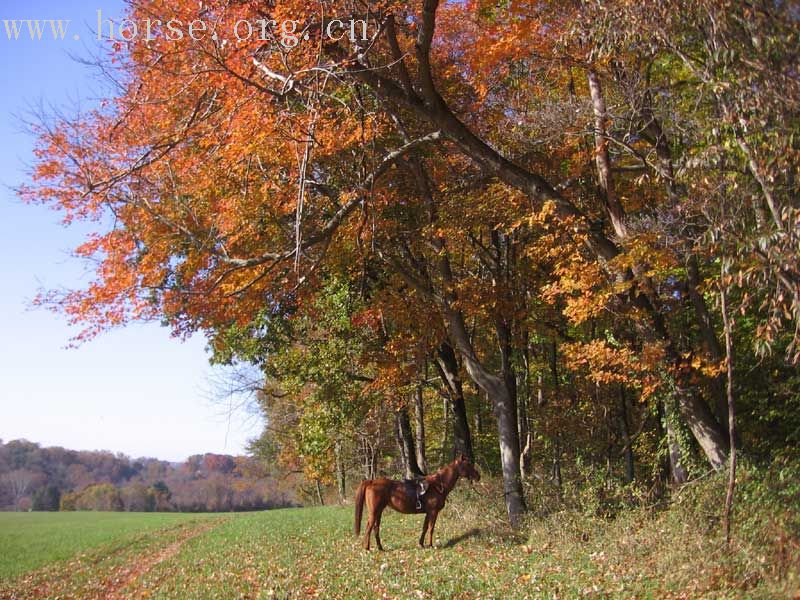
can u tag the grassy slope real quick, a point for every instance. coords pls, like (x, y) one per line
(645, 553)
(30, 540)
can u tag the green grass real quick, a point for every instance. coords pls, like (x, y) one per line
(646, 552)
(312, 552)
(280, 553)
(31, 540)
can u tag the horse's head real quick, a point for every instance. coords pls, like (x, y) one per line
(467, 469)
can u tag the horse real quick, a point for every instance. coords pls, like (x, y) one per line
(402, 496)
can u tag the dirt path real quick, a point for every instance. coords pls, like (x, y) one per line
(126, 577)
(105, 576)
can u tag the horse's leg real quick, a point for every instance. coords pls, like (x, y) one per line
(370, 520)
(370, 524)
(378, 528)
(424, 529)
(434, 514)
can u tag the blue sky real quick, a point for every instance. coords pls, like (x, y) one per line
(135, 390)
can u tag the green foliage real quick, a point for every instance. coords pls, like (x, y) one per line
(316, 384)
(767, 397)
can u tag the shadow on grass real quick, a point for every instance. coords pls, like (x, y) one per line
(474, 532)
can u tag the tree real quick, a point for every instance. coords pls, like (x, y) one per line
(47, 498)
(101, 496)
(138, 498)
(20, 483)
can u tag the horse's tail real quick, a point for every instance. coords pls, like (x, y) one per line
(360, 505)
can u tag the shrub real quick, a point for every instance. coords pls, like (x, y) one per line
(102, 496)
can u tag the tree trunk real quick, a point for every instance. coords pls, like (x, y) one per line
(557, 395)
(557, 464)
(704, 427)
(522, 418)
(624, 424)
(677, 471)
(419, 422)
(405, 441)
(505, 410)
(497, 388)
(478, 419)
(445, 454)
(605, 183)
(709, 336)
(341, 481)
(554, 370)
(702, 423)
(319, 493)
(731, 411)
(447, 364)
(369, 458)
(695, 412)
(609, 431)
(401, 446)
(526, 441)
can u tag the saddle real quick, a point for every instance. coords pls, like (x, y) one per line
(420, 485)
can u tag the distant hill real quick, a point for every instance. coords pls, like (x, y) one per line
(33, 477)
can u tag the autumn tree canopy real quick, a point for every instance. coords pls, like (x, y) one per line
(519, 214)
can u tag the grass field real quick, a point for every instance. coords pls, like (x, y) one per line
(30, 540)
(291, 552)
(311, 552)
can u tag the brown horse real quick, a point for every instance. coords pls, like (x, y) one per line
(402, 496)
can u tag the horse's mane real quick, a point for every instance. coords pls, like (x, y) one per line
(437, 476)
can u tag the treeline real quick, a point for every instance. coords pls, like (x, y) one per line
(37, 478)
